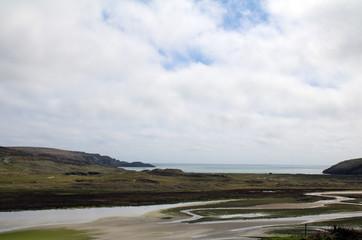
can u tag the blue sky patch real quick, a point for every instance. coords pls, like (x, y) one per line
(242, 14)
(176, 59)
(105, 15)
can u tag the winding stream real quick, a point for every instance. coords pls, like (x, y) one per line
(336, 200)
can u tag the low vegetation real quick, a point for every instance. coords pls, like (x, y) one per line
(55, 234)
(334, 233)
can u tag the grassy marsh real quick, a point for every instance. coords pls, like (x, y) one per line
(54, 234)
(47, 184)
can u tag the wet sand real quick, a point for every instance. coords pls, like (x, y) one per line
(148, 228)
(152, 226)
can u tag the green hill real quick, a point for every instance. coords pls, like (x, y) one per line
(67, 157)
(348, 167)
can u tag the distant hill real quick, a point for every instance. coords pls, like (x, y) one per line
(69, 157)
(348, 167)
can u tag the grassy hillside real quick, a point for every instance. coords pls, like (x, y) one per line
(68, 157)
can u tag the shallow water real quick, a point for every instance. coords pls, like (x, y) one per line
(313, 218)
(26, 219)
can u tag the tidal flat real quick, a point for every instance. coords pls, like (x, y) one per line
(208, 220)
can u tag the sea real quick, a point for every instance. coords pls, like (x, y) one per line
(241, 168)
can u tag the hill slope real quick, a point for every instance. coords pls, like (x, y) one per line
(348, 167)
(69, 157)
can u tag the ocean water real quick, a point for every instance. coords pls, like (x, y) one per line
(241, 168)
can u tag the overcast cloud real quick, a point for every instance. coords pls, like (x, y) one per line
(274, 81)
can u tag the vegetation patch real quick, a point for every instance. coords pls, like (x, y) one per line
(285, 238)
(344, 222)
(335, 233)
(56, 234)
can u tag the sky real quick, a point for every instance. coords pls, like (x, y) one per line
(186, 81)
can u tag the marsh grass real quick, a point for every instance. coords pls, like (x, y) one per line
(285, 238)
(45, 181)
(56, 234)
(335, 232)
(344, 222)
(293, 230)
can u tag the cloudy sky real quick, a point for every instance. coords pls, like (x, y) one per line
(206, 81)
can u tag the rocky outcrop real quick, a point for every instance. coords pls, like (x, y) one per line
(348, 167)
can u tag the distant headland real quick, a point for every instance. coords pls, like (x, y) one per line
(348, 167)
(70, 157)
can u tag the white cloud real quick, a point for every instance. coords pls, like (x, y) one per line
(171, 81)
